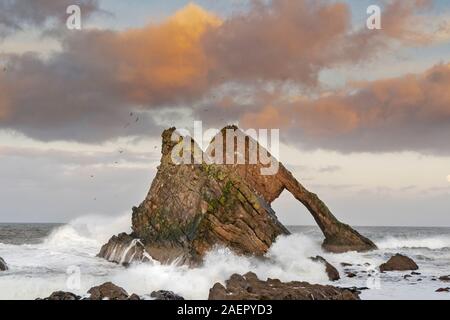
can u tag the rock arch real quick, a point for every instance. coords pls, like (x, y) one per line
(193, 207)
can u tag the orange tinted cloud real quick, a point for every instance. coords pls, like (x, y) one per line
(165, 58)
(405, 113)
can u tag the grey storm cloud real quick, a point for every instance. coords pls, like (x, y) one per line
(18, 14)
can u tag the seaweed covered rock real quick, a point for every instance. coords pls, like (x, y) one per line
(200, 203)
(249, 287)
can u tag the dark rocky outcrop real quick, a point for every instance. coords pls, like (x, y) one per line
(443, 290)
(345, 264)
(3, 265)
(165, 295)
(108, 291)
(332, 272)
(445, 278)
(399, 263)
(62, 296)
(249, 287)
(191, 208)
(134, 297)
(351, 274)
(124, 249)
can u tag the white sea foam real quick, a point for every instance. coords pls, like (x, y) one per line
(78, 242)
(89, 230)
(433, 243)
(37, 270)
(288, 260)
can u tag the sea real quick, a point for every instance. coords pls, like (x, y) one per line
(44, 258)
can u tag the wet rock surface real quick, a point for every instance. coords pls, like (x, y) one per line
(249, 287)
(332, 272)
(191, 208)
(3, 265)
(399, 262)
(124, 249)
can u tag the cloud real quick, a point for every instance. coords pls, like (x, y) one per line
(330, 169)
(17, 14)
(294, 40)
(86, 91)
(408, 113)
(60, 185)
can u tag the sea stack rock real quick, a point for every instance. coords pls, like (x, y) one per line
(399, 263)
(192, 207)
(249, 287)
(3, 265)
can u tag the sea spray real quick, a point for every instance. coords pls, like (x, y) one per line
(432, 243)
(78, 242)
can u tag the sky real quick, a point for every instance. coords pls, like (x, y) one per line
(364, 115)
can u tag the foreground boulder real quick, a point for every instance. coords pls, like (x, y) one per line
(3, 265)
(332, 272)
(249, 287)
(62, 296)
(191, 208)
(108, 291)
(399, 263)
(165, 295)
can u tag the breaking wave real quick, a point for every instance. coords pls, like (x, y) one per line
(88, 231)
(432, 243)
(78, 242)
